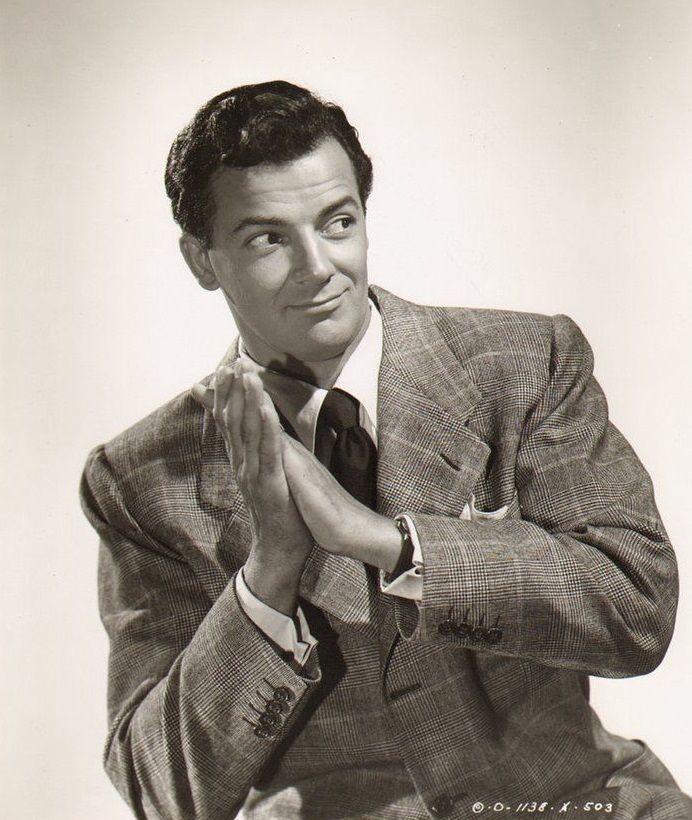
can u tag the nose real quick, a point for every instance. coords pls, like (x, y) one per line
(311, 260)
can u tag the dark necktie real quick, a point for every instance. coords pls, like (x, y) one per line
(345, 448)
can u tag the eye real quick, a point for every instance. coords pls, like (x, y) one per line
(341, 226)
(265, 241)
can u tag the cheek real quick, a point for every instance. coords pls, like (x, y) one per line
(256, 285)
(362, 255)
(353, 261)
(268, 274)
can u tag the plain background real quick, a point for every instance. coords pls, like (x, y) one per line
(528, 155)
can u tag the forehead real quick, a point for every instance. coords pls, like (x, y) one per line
(289, 191)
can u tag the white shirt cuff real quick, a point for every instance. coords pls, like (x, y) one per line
(410, 583)
(275, 625)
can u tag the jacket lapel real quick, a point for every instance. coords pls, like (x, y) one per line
(428, 461)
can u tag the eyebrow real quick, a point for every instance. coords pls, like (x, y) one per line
(257, 221)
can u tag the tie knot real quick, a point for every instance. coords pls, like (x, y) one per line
(340, 410)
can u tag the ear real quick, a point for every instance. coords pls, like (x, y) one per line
(197, 258)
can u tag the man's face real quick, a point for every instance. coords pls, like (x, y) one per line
(289, 250)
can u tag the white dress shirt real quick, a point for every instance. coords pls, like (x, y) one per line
(300, 403)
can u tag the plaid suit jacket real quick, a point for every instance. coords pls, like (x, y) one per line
(479, 695)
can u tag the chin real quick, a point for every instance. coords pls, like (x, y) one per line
(330, 339)
(322, 352)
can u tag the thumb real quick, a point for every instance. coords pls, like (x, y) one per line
(203, 395)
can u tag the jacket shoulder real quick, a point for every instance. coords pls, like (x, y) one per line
(524, 350)
(491, 328)
(479, 331)
(149, 463)
(503, 351)
(171, 435)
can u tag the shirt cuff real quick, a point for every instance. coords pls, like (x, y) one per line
(410, 583)
(291, 634)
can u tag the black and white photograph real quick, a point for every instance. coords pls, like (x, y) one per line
(345, 441)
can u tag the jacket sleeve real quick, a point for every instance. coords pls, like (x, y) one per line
(184, 673)
(586, 579)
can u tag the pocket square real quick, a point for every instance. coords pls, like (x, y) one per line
(472, 513)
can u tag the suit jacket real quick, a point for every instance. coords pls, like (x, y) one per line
(478, 695)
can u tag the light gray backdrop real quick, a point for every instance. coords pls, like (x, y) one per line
(529, 154)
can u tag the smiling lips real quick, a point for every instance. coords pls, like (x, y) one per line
(323, 306)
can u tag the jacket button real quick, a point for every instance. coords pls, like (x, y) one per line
(276, 706)
(494, 635)
(464, 630)
(479, 635)
(447, 627)
(441, 805)
(283, 693)
(269, 720)
(263, 731)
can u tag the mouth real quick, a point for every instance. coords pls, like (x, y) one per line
(323, 305)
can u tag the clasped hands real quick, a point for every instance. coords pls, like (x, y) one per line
(293, 499)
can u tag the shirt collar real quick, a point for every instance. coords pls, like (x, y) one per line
(300, 402)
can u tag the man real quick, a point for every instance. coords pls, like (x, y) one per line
(365, 569)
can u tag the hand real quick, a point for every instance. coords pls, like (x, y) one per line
(338, 522)
(250, 428)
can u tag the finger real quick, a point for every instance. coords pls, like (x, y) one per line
(292, 462)
(304, 472)
(306, 492)
(223, 379)
(270, 444)
(303, 455)
(252, 422)
(204, 395)
(233, 413)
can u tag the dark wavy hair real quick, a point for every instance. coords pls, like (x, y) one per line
(273, 123)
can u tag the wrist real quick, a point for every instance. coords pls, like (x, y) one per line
(405, 561)
(377, 542)
(274, 581)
